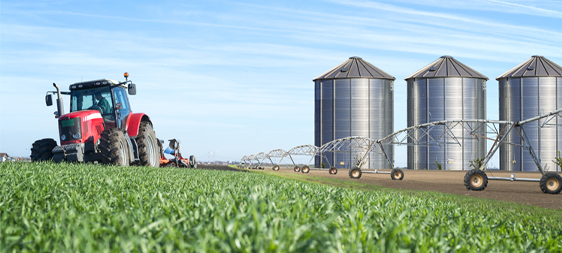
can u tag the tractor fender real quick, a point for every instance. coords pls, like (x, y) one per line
(134, 123)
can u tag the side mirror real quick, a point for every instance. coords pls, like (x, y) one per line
(49, 99)
(132, 89)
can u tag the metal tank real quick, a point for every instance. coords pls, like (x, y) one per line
(446, 89)
(532, 88)
(354, 98)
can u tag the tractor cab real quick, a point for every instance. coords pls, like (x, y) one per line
(105, 96)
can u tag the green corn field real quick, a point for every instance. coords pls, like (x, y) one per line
(48, 207)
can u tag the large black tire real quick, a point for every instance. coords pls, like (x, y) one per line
(551, 183)
(355, 173)
(276, 168)
(114, 147)
(192, 161)
(475, 180)
(397, 174)
(297, 169)
(305, 169)
(42, 150)
(333, 170)
(147, 142)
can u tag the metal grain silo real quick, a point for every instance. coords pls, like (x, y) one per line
(354, 98)
(532, 88)
(446, 89)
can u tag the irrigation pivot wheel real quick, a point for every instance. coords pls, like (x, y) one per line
(305, 169)
(276, 168)
(551, 183)
(475, 180)
(355, 173)
(333, 171)
(397, 174)
(260, 168)
(297, 169)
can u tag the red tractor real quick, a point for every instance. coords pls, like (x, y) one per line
(100, 127)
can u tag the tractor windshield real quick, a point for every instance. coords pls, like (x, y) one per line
(92, 99)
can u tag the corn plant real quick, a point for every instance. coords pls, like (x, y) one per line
(477, 163)
(438, 165)
(48, 207)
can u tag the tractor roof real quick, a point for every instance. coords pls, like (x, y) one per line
(92, 84)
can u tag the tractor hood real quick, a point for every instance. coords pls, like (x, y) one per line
(80, 127)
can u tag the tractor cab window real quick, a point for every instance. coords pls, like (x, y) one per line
(93, 99)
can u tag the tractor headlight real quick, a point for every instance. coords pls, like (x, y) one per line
(76, 135)
(63, 137)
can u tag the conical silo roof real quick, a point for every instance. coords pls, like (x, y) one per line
(534, 66)
(354, 67)
(446, 66)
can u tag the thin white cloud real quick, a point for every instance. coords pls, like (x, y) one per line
(526, 8)
(548, 8)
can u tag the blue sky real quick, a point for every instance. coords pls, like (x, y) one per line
(235, 77)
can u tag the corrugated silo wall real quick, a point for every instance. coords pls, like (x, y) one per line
(451, 98)
(353, 107)
(522, 98)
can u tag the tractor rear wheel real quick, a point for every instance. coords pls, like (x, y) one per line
(149, 154)
(114, 147)
(276, 168)
(475, 180)
(333, 171)
(305, 169)
(297, 169)
(355, 173)
(397, 174)
(42, 150)
(192, 161)
(551, 183)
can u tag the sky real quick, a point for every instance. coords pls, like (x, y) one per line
(234, 78)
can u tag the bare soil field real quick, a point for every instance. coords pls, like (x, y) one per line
(217, 167)
(528, 193)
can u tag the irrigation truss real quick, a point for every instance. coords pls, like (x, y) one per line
(434, 133)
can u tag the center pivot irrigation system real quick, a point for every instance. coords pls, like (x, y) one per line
(436, 133)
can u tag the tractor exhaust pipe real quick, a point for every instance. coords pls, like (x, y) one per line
(60, 106)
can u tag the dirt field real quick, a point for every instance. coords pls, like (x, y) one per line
(217, 167)
(452, 182)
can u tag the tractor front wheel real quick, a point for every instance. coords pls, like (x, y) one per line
(42, 150)
(551, 183)
(114, 147)
(148, 145)
(475, 180)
